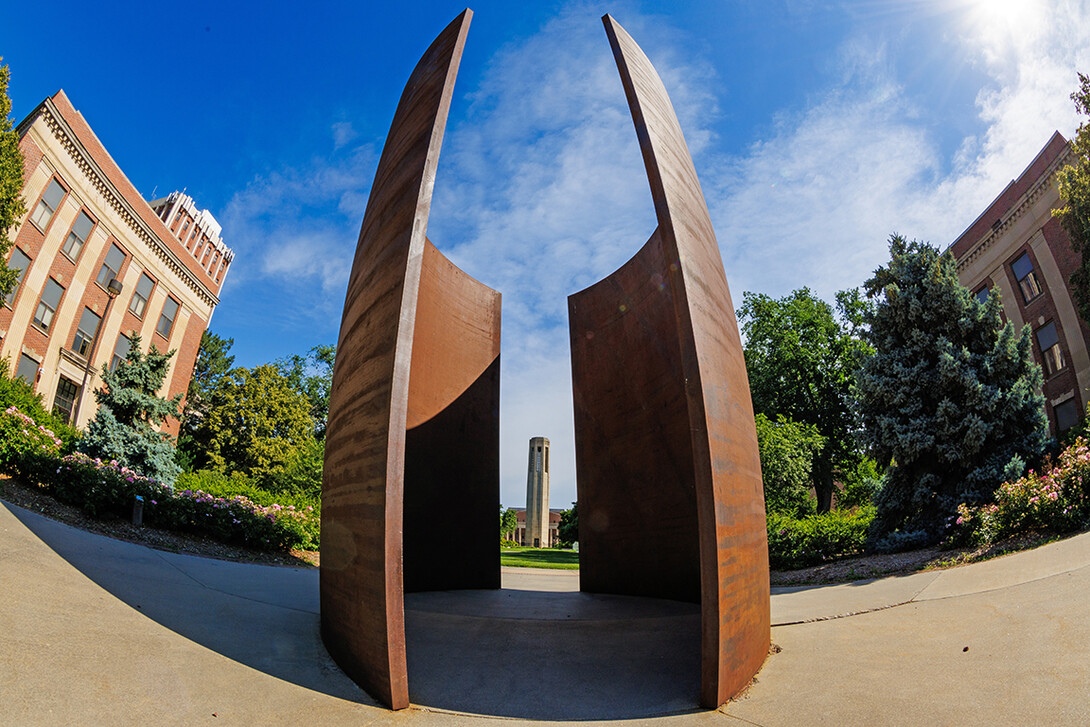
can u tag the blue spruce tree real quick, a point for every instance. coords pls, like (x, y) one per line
(128, 407)
(951, 398)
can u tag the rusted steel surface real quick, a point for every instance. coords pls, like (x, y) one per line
(452, 485)
(418, 346)
(666, 450)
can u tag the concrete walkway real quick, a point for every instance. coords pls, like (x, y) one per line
(97, 631)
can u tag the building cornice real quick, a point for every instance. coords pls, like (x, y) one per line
(1025, 202)
(66, 135)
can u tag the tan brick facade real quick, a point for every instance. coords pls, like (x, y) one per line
(100, 229)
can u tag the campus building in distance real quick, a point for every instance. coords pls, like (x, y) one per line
(1017, 246)
(98, 264)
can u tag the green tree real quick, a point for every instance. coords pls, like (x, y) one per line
(312, 376)
(951, 398)
(787, 450)
(129, 407)
(213, 363)
(11, 182)
(256, 422)
(801, 359)
(301, 474)
(1074, 184)
(509, 522)
(568, 530)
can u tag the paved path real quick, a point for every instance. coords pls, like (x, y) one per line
(97, 631)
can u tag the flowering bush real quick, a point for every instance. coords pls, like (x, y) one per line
(108, 488)
(797, 543)
(23, 442)
(1056, 500)
(101, 488)
(238, 519)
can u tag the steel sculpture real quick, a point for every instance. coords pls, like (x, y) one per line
(410, 488)
(669, 481)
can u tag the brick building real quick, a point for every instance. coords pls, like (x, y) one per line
(91, 248)
(1017, 246)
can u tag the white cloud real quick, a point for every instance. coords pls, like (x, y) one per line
(342, 134)
(814, 203)
(297, 226)
(541, 192)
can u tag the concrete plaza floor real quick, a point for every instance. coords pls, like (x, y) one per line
(95, 631)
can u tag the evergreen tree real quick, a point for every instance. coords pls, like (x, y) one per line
(1074, 185)
(951, 398)
(11, 182)
(128, 408)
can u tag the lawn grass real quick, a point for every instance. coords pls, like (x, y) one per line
(519, 557)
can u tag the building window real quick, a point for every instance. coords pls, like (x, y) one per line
(1067, 415)
(1026, 277)
(65, 400)
(48, 204)
(121, 351)
(80, 230)
(47, 306)
(110, 266)
(28, 369)
(1049, 341)
(85, 333)
(140, 297)
(166, 320)
(18, 262)
(982, 294)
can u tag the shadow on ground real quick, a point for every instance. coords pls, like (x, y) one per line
(505, 653)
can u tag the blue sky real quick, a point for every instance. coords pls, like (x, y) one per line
(817, 129)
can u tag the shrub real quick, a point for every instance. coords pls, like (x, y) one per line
(861, 484)
(109, 488)
(797, 543)
(1056, 500)
(18, 393)
(101, 488)
(23, 443)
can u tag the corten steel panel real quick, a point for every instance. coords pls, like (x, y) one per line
(452, 486)
(418, 349)
(666, 450)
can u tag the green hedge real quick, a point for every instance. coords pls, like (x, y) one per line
(798, 543)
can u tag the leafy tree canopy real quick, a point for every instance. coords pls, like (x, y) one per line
(801, 358)
(11, 182)
(129, 407)
(568, 530)
(952, 396)
(256, 422)
(212, 365)
(312, 375)
(509, 522)
(787, 452)
(1074, 184)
